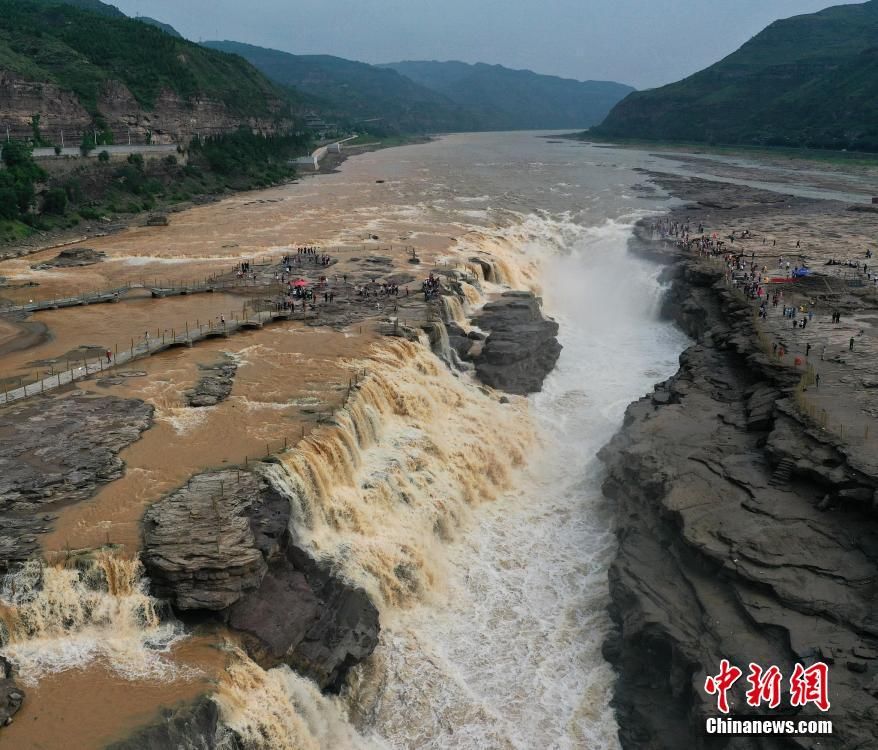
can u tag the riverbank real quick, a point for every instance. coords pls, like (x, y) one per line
(84, 230)
(745, 496)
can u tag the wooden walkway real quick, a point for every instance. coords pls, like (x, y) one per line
(147, 348)
(115, 295)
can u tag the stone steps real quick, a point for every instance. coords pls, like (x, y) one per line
(782, 472)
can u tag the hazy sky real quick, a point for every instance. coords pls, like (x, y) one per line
(643, 43)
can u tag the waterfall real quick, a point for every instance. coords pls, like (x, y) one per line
(377, 493)
(59, 617)
(473, 296)
(452, 310)
(279, 710)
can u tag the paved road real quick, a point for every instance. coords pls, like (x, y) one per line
(47, 153)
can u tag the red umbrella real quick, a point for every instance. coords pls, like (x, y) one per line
(300, 282)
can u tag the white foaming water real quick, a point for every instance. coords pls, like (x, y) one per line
(508, 655)
(63, 617)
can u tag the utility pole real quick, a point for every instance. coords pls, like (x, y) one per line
(62, 137)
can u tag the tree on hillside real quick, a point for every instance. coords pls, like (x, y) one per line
(18, 179)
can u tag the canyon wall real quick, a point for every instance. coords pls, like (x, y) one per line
(745, 533)
(172, 120)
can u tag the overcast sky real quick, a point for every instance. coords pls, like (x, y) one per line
(644, 43)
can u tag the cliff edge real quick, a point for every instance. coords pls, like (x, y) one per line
(744, 534)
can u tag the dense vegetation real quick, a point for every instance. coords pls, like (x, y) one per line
(18, 180)
(263, 159)
(32, 199)
(505, 99)
(82, 49)
(807, 81)
(167, 28)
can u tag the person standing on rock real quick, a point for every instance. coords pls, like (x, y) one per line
(851, 344)
(807, 350)
(817, 380)
(109, 356)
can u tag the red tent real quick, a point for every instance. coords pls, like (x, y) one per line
(300, 282)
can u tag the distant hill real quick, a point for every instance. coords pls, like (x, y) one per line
(80, 69)
(167, 28)
(93, 6)
(506, 99)
(357, 91)
(810, 80)
(426, 96)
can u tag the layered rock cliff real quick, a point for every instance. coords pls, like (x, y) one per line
(221, 546)
(173, 119)
(745, 533)
(522, 347)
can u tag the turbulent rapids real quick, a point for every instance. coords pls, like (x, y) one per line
(409, 456)
(62, 616)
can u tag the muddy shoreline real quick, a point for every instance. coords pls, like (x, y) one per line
(57, 239)
(746, 531)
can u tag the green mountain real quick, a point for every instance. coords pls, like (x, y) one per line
(505, 99)
(167, 28)
(810, 80)
(357, 92)
(94, 6)
(429, 96)
(82, 50)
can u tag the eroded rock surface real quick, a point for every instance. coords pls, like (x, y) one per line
(194, 726)
(11, 695)
(522, 347)
(72, 258)
(215, 384)
(58, 450)
(221, 544)
(743, 533)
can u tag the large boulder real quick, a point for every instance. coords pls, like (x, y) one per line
(198, 545)
(522, 347)
(221, 545)
(193, 726)
(215, 384)
(73, 257)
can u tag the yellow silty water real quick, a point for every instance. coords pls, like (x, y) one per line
(279, 710)
(61, 616)
(377, 492)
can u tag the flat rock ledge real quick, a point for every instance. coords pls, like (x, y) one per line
(220, 547)
(522, 347)
(58, 450)
(215, 384)
(743, 533)
(73, 257)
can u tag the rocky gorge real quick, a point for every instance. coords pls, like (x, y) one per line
(745, 531)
